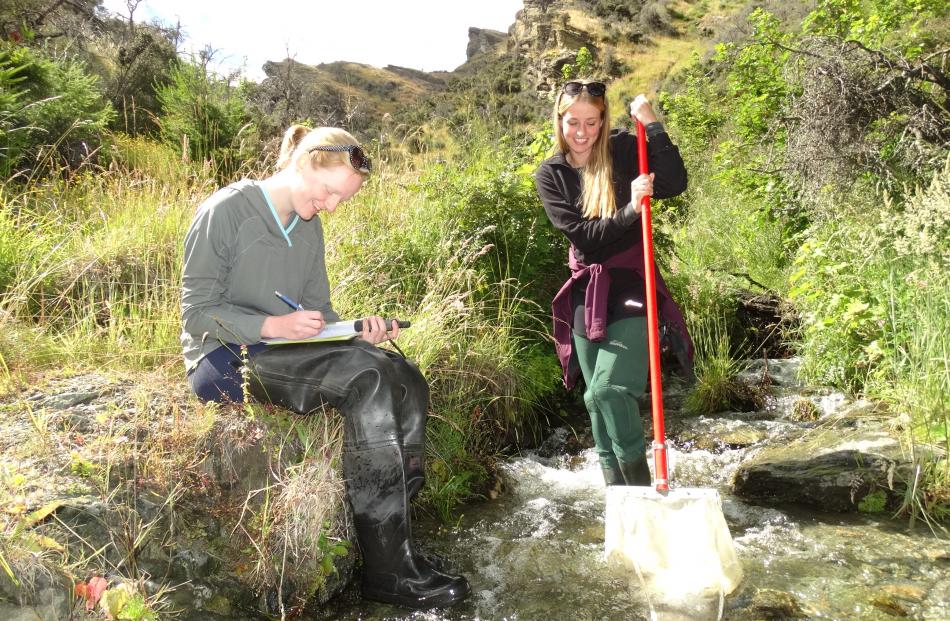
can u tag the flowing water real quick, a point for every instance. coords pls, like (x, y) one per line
(536, 553)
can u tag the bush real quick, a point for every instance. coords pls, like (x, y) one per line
(48, 105)
(207, 118)
(853, 274)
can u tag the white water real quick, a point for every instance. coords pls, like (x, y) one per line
(536, 553)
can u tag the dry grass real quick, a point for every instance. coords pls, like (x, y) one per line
(159, 465)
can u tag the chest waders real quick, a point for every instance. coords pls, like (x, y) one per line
(383, 398)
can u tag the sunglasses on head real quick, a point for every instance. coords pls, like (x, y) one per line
(358, 158)
(595, 89)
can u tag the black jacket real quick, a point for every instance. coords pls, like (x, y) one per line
(594, 240)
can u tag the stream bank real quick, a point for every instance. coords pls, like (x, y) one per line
(808, 483)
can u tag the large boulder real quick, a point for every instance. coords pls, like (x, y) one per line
(832, 468)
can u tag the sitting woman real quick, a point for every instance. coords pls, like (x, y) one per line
(253, 238)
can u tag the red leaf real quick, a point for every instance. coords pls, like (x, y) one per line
(97, 585)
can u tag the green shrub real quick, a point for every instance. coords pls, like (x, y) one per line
(206, 118)
(48, 106)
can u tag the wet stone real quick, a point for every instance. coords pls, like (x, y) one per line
(772, 604)
(890, 605)
(555, 443)
(833, 470)
(781, 372)
(907, 592)
(719, 434)
(805, 411)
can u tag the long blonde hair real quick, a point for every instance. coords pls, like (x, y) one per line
(298, 139)
(597, 195)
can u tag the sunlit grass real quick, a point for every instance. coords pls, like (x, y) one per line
(95, 283)
(919, 386)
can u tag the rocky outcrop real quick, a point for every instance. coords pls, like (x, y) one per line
(543, 39)
(482, 41)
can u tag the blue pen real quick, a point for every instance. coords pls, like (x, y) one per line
(288, 301)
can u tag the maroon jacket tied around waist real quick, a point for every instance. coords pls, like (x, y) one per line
(595, 306)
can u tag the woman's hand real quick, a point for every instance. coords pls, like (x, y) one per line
(374, 330)
(640, 187)
(641, 110)
(296, 325)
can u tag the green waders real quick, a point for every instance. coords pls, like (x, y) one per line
(615, 371)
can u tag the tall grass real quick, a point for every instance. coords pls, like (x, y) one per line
(92, 280)
(918, 387)
(716, 367)
(98, 262)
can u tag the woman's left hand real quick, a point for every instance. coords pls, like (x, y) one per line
(375, 332)
(640, 187)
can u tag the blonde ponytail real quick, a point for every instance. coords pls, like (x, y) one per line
(289, 143)
(299, 140)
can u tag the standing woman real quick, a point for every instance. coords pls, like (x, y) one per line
(592, 193)
(253, 238)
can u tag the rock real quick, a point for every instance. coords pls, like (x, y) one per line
(810, 408)
(482, 41)
(890, 605)
(805, 411)
(780, 372)
(542, 38)
(907, 592)
(830, 470)
(715, 434)
(554, 444)
(48, 603)
(771, 605)
(68, 400)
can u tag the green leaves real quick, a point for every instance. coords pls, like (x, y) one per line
(204, 116)
(581, 67)
(46, 103)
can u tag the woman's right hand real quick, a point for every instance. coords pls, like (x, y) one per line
(640, 187)
(296, 325)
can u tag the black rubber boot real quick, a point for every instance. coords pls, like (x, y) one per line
(415, 468)
(414, 465)
(392, 571)
(636, 472)
(613, 475)
(371, 390)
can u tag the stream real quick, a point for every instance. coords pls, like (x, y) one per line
(536, 552)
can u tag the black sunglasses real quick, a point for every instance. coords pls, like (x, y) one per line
(595, 89)
(358, 158)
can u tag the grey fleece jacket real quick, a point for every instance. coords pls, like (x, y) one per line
(236, 256)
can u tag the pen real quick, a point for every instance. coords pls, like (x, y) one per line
(288, 301)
